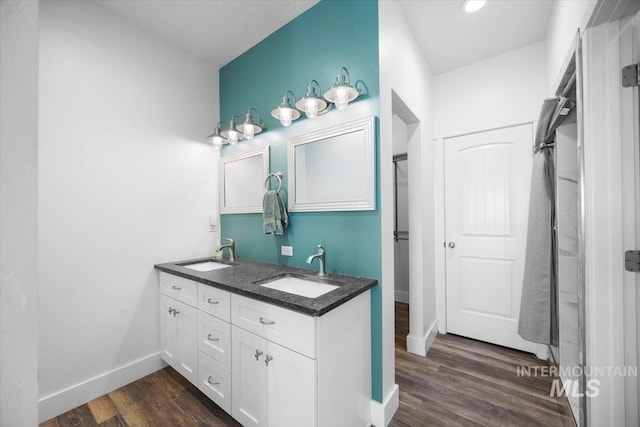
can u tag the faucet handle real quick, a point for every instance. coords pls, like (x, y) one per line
(228, 239)
(321, 249)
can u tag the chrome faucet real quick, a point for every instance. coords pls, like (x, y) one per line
(231, 246)
(320, 256)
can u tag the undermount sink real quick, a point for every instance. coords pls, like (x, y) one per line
(205, 266)
(298, 285)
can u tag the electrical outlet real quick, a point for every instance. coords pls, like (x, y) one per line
(286, 250)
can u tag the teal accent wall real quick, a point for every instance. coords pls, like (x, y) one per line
(315, 45)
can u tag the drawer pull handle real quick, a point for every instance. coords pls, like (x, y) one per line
(268, 359)
(210, 381)
(211, 338)
(267, 321)
(176, 288)
(210, 301)
(258, 354)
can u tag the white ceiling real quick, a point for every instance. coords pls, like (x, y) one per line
(215, 30)
(220, 30)
(451, 38)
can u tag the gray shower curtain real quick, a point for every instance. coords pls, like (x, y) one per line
(538, 308)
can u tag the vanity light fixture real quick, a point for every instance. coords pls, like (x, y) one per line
(311, 103)
(341, 93)
(249, 128)
(470, 6)
(215, 138)
(231, 133)
(286, 112)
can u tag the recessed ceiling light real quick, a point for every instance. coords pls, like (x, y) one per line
(470, 6)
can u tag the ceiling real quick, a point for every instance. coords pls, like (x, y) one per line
(214, 30)
(220, 30)
(451, 38)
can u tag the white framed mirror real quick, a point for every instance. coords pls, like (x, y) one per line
(333, 169)
(242, 177)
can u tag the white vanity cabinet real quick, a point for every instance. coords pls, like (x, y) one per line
(272, 385)
(291, 369)
(178, 323)
(267, 365)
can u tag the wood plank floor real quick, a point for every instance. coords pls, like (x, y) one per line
(461, 382)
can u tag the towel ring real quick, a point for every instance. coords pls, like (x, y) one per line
(277, 175)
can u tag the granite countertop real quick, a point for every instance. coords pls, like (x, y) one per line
(241, 277)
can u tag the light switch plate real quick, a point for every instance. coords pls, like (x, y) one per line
(286, 250)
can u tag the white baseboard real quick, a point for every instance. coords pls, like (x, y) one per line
(421, 345)
(402, 296)
(382, 413)
(64, 400)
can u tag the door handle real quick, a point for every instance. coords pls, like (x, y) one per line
(452, 245)
(175, 312)
(268, 359)
(258, 354)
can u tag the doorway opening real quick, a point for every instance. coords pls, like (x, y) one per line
(407, 225)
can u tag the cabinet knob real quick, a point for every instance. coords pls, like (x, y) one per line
(268, 359)
(176, 288)
(210, 301)
(267, 321)
(211, 381)
(211, 338)
(258, 354)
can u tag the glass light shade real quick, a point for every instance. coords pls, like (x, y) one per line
(286, 116)
(311, 104)
(233, 136)
(285, 112)
(215, 138)
(341, 93)
(248, 132)
(249, 128)
(311, 108)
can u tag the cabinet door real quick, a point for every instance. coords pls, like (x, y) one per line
(248, 378)
(168, 331)
(291, 388)
(187, 325)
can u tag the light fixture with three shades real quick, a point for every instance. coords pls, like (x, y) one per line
(340, 94)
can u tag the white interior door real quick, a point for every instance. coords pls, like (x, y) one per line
(487, 181)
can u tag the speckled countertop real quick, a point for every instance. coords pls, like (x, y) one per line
(244, 277)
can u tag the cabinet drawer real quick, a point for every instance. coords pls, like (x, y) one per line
(214, 301)
(292, 330)
(214, 338)
(214, 380)
(182, 289)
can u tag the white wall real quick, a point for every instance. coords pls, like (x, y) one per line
(126, 181)
(18, 213)
(500, 91)
(404, 71)
(566, 17)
